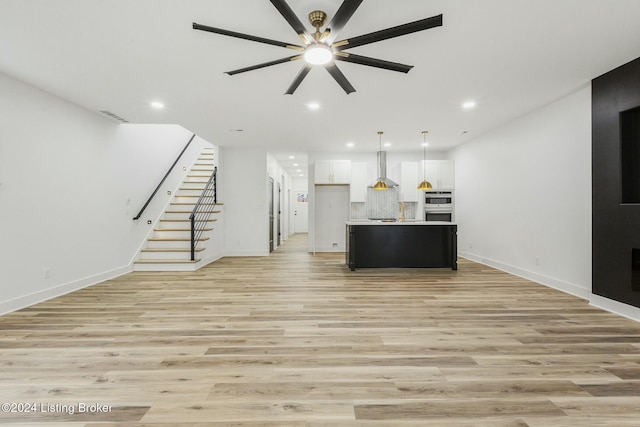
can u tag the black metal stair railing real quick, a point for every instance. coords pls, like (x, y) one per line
(202, 211)
(137, 217)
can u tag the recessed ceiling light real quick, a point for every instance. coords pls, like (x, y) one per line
(298, 170)
(313, 106)
(157, 105)
(295, 165)
(387, 144)
(468, 105)
(292, 157)
(424, 144)
(350, 144)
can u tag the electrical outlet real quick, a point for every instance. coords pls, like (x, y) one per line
(46, 272)
(537, 261)
(470, 245)
(334, 245)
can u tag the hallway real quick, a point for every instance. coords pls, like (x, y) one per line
(297, 340)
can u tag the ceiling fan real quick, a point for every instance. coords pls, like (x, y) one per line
(320, 48)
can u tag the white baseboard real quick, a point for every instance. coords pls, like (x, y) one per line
(615, 307)
(328, 249)
(59, 290)
(208, 260)
(551, 282)
(245, 253)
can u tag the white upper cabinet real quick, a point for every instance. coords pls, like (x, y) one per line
(333, 172)
(409, 181)
(358, 188)
(440, 173)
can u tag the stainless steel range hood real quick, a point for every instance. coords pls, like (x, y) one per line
(382, 167)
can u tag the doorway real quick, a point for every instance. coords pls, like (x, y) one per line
(301, 212)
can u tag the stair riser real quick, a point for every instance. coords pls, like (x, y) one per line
(172, 234)
(168, 244)
(176, 216)
(184, 224)
(198, 186)
(185, 198)
(190, 192)
(196, 180)
(165, 255)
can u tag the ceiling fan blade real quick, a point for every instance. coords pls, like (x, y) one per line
(340, 19)
(263, 65)
(299, 78)
(373, 62)
(335, 72)
(289, 15)
(201, 27)
(400, 30)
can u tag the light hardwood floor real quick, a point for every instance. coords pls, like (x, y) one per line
(296, 340)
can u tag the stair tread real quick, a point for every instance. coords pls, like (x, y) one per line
(179, 229)
(171, 250)
(174, 239)
(165, 261)
(188, 220)
(181, 212)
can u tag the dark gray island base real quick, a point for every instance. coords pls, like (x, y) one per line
(374, 244)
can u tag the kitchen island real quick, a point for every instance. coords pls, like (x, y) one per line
(411, 244)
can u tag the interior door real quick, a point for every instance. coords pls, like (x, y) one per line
(271, 206)
(301, 212)
(279, 214)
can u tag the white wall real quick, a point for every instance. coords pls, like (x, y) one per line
(243, 176)
(523, 196)
(71, 181)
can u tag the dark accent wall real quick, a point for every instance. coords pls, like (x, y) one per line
(616, 184)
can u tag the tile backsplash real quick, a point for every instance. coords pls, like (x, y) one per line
(382, 204)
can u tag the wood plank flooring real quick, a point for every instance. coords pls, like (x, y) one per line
(296, 340)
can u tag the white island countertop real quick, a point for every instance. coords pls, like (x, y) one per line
(407, 222)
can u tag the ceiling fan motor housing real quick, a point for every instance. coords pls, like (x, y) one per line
(317, 18)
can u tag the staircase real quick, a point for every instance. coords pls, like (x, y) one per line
(169, 247)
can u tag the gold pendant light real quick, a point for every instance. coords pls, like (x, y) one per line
(380, 184)
(424, 185)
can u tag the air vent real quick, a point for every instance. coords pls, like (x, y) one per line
(113, 116)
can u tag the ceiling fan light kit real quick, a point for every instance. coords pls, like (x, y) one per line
(321, 47)
(318, 54)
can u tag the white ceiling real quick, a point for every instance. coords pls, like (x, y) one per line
(510, 56)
